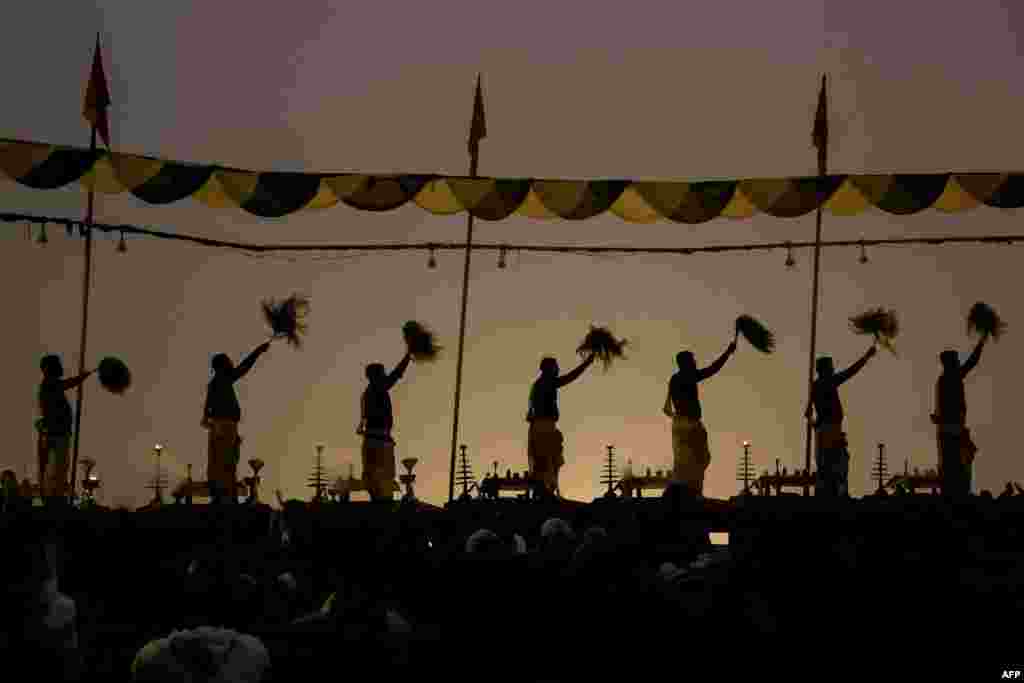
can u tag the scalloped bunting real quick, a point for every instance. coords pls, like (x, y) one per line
(274, 194)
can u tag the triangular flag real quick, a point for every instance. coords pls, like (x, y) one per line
(819, 136)
(478, 127)
(97, 97)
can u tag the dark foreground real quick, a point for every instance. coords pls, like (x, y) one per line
(805, 589)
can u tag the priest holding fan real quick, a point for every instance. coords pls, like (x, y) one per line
(56, 421)
(956, 448)
(377, 417)
(691, 453)
(545, 443)
(222, 413)
(832, 457)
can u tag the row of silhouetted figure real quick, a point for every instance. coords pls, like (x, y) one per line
(545, 442)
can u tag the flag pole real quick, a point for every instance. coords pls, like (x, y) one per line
(476, 132)
(97, 99)
(820, 138)
(86, 281)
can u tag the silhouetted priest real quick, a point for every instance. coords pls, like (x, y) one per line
(832, 457)
(544, 445)
(691, 454)
(221, 416)
(956, 448)
(375, 426)
(55, 426)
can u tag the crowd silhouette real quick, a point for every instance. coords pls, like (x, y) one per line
(505, 589)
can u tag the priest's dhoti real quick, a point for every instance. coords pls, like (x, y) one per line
(379, 465)
(956, 458)
(544, 449)
(832, 459)
(57, 447)
(691, 454)
(223, 453)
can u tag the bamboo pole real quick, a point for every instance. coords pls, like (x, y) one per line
(477, 131)
(822, 144)
(86, 282)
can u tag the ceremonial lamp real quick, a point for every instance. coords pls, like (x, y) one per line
(317, 480)
(465, 476)
(881, 470)
(157, 486)
(408, 479)
(609, 473)
(254, 491)
(746, 472)
(90, 481)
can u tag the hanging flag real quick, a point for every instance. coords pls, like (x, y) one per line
(819, 136)
(478, 127)
(97, 97)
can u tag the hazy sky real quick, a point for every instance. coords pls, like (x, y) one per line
(639, 90)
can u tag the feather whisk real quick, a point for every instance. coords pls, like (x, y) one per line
(421, 342)
(602, 344)
(880, 323)
(984, 320)
(759, 336)
(114, 375)
(287, 318)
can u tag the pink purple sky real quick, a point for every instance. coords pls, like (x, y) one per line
(645, 89)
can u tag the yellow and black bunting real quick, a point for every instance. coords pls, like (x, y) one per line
(274, 194)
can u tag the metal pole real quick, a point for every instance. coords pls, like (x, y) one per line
(86, 281)
(462, 339)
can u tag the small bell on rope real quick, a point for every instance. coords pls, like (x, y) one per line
(121, 246)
